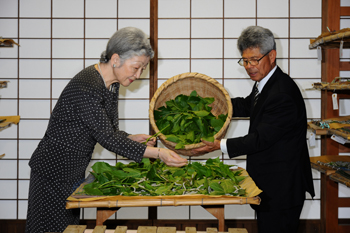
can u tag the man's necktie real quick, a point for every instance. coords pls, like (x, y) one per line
(256, 94)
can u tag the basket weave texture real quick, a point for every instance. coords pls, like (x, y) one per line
(184, 84)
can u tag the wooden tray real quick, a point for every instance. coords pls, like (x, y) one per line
(81, 201)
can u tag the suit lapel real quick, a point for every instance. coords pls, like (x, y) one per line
(264, 94)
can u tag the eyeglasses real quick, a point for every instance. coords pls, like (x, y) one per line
(253, 62)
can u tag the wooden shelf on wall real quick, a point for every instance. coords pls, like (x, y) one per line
(7, 121)
(7, 42)
(332, 40)
(326, 129)
(3, 84)
(332, 86)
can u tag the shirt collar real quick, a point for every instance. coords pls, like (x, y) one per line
(263, 81)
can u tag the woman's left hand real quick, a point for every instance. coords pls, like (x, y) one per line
(143, 138)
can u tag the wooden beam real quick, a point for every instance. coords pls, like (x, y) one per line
(154, 44)
(153, 76)
(329, 204)
(345, 11)
(330, 69)
(343, 228)
(103, 214)
(218, 212)
(344, 66)
(344, 202)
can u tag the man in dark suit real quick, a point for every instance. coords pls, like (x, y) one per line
(276, 149)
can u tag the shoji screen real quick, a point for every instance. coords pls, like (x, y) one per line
(57, 39)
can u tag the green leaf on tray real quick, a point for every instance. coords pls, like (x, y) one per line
(156, 178)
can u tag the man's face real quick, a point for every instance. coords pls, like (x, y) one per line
(266, 64)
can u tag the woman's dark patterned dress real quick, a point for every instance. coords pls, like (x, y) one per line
(85, 114)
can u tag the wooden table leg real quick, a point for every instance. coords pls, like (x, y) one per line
(103, 214)
(218, 211)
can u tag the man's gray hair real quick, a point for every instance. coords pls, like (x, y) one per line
(127, 43)
(256, 37)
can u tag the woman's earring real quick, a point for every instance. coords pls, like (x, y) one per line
(113, 65)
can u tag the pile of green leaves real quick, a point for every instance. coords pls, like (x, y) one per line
(186, 119)
(156, 178)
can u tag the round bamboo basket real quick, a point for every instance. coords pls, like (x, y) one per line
(184, 84)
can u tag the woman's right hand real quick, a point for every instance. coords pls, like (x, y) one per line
(171, 158)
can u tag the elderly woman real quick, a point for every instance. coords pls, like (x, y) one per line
(85, 114)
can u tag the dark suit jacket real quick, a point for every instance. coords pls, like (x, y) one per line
(276, 149)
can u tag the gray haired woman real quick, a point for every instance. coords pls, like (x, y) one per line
(86, 113)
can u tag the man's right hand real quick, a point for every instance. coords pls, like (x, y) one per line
(209, 147)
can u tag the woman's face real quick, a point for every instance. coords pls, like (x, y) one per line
(131, 69)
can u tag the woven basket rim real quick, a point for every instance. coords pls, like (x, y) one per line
(176, 78)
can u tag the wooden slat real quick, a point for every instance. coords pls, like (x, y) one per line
(344, 66)
(99, 229)
(154, 43)
(237, 230)
(120, 229)
(330, 69)
(75, 229)
(166, 230)
(212, 230)
(344, 149)
(146, 229)
(343, 228)
(344, 11)
(153, 70)
(190, 230)
(329, 207)
(344, 202)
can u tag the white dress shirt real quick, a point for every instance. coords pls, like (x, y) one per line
(260, 85)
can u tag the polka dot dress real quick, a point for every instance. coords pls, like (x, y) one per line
(85, 114)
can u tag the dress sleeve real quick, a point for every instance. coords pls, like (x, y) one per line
(91, 109)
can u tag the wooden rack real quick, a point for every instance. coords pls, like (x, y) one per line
(332, 40)
(331, 67)
(330, 131)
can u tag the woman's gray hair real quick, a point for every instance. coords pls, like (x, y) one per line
(256, 37)
(127, 43)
